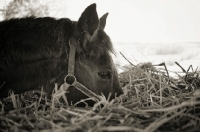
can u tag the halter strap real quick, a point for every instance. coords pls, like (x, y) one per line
(72, 52)
(70, 79)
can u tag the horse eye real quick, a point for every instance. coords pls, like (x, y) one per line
(105, 75)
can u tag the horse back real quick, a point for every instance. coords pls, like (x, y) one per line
(29, 47)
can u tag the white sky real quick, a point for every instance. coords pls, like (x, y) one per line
(150, 21)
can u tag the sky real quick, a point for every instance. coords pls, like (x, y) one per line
(149, 20)
(146, 21)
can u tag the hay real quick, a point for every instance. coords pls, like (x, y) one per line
(153, 102)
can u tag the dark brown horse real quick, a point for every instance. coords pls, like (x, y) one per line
(34, 53)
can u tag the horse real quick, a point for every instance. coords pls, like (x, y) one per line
(34, 53)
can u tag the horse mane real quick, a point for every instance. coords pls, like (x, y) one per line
(60, 28)
(44, 36)
(106, 42)
(100, 51)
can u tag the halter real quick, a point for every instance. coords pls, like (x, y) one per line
(70, 79)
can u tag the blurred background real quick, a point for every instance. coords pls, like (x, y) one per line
(153, 31)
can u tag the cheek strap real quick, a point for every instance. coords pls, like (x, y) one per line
(70, 79)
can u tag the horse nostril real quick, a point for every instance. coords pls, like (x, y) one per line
(105, 75)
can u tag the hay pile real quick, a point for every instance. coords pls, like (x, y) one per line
(153, 102)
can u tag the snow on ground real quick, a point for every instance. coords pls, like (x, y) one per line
(185, 54)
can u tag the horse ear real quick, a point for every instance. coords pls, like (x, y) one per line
(103, 21)
(89, 20)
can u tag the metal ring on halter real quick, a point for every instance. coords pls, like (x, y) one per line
(70, 79)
